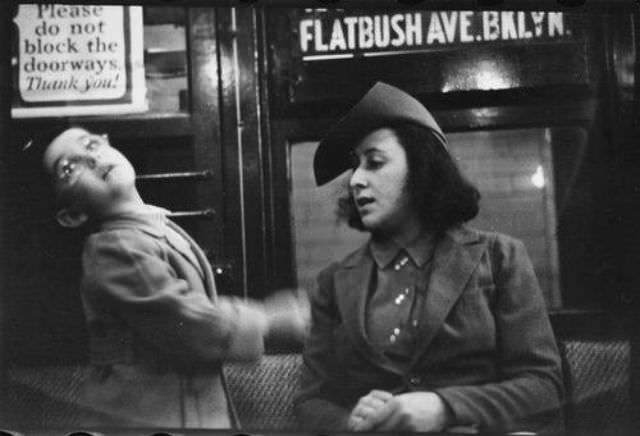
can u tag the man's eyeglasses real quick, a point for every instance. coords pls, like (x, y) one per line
(69, 169)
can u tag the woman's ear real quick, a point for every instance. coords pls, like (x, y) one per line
(70, 218)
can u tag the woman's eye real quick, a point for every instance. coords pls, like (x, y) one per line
(375, 163)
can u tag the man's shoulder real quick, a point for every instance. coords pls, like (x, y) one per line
(124, 238)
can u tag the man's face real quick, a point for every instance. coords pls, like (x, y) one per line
(87, 173)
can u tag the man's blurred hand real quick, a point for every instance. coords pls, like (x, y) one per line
(288, 315)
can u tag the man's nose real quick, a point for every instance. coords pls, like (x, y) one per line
(91, 161)
(93, 157)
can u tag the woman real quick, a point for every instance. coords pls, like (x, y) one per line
(431, 325)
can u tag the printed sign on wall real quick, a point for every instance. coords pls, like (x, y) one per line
(78, 60)
(326, 34)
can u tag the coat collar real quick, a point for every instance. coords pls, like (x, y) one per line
(461, 235)
(154, 221)
(420, 250)
(456, 255)
(201, 259)
(150, 220)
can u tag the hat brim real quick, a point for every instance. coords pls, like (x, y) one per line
(381, 106)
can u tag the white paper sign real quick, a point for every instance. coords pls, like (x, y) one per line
(79, 60)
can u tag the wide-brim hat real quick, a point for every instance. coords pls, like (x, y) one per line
(381, 106)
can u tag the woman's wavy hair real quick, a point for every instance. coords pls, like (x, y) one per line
(443, 197)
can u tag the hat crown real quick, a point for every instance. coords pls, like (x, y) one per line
(381, 106)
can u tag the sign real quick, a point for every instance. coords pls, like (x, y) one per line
(78, 60)
(329, 34)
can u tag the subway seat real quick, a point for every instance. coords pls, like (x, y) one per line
(262, 393)
(47, 396)
(596, 377)
(597, 381)
(44, 397)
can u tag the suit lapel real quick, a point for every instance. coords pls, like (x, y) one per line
(185, 245)
(456, 256)
(352, 284)
(192, 252)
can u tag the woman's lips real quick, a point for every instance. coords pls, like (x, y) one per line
(363, 201)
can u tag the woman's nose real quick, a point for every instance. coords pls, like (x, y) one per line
(357, 179)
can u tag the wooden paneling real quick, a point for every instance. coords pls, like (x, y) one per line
(244, 214)
(207, 145)
(6, 15)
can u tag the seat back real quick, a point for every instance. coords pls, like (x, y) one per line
(598, 386)
(47, 397)
(597, 378)
(262, 393)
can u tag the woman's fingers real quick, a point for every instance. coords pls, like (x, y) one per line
(366, 414)
(393, 416)
(371, 402)
(382, 395)
(380, 415)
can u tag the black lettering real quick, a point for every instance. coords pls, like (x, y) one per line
(30, 66)
(71, 46)
(42, 9)
(76, 65)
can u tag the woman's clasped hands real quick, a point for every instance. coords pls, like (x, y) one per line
(413, 411)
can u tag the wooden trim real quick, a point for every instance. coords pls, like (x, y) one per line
(591, 324)
(207, 130)
(243, 151)
(6, 10)
(139, 126)
(269, 207)
(465, 119)
(282, 226)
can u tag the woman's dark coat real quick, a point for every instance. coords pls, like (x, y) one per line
(486, 344)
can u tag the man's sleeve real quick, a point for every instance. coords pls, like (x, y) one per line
(129, 277)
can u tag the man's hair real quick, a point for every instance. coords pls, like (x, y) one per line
(37, 144)
(32, 154)
(442, 197)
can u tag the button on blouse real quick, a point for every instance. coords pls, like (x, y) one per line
(397, 295)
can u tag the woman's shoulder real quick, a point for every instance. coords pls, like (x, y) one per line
(350, 259)
(504, 249)
(491, 237)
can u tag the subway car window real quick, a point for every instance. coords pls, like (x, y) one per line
(512, 169)
(165, 58)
